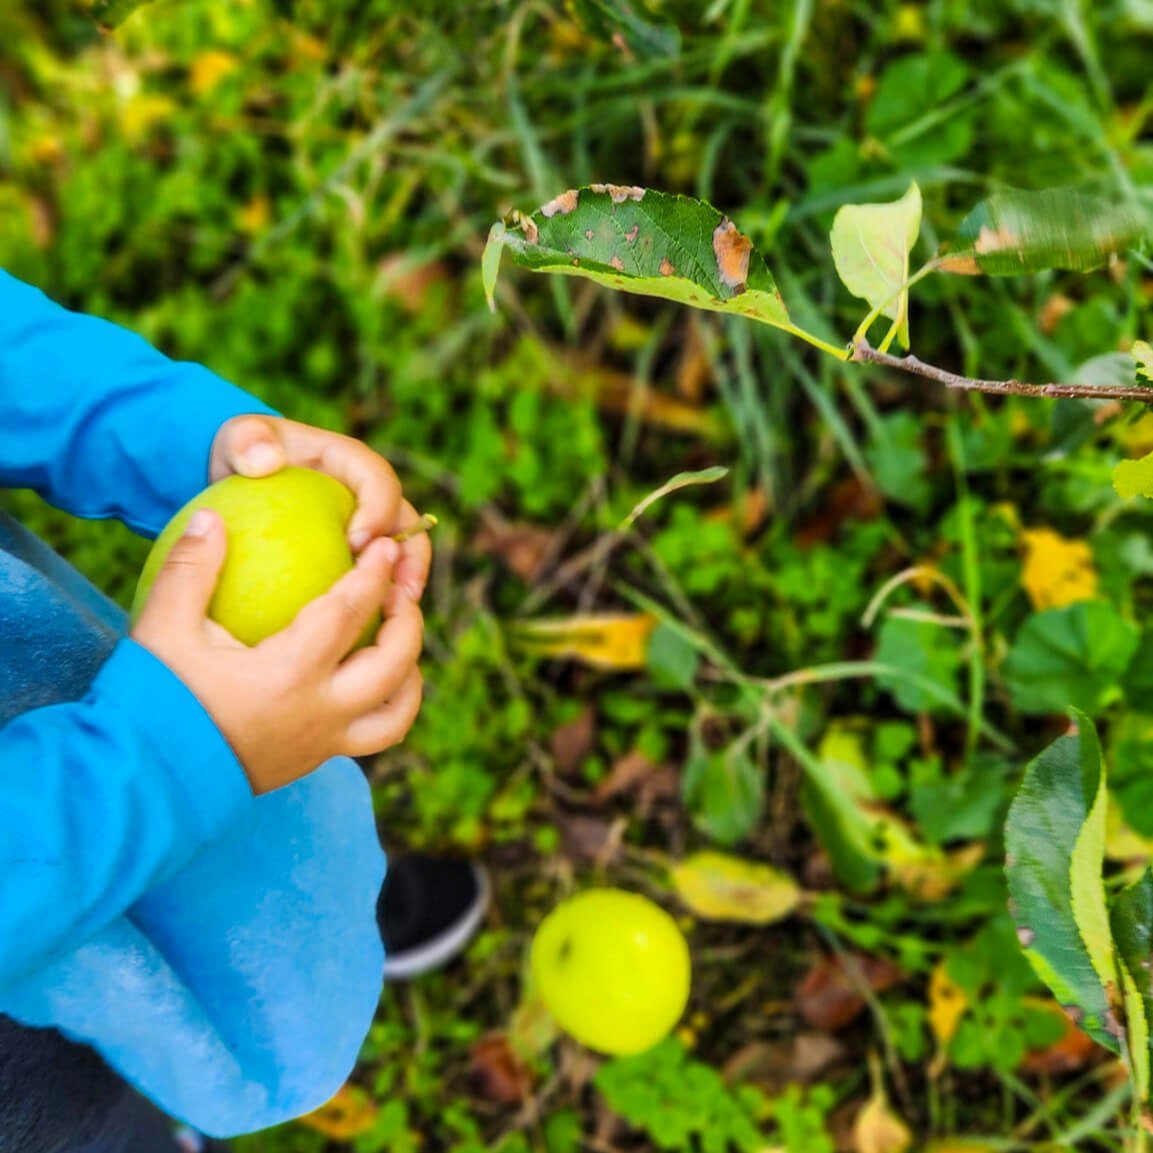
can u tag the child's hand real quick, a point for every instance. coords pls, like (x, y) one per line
(259, 445)
(296, 699)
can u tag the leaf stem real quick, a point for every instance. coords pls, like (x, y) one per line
(863, 352)
(839, 351)
(863, 329)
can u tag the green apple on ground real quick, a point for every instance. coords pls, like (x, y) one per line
(613, 969)
(287, 545)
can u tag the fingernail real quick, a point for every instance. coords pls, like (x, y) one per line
(390, 549)
(359, 539)
(261, 458)
(200, 524)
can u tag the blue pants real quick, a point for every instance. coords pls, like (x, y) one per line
(276, 959)
(56, 1096)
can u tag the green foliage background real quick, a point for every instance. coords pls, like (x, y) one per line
(297, 195)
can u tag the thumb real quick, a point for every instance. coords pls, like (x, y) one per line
(250, 446)
(184, 585)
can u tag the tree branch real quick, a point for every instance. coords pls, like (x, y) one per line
(863, 352)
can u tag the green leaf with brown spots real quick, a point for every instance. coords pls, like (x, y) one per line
(1016, 232)
(628, 23)
(871, 245)
(1054, 854)
(650, 243)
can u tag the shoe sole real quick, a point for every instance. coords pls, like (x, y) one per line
(440, 950)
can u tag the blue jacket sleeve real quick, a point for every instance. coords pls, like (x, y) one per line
(101, 800)
(98, 421)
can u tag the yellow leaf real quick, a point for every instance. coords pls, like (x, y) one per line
(719, 887)
(959, 1145)
(1135, 437)
(618, 642)
(141, 113)
(1057, 571)
(254, 216)
(208, 69)
(947, 1005)
(1123, 843)
(878, 1129)
(347, 1115)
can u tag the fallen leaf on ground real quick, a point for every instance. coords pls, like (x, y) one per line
(625, 775)
(947, 1005)
(343, 1117)
(574, 740)
(878, 1129)
(720, 887)
(1057, 571)
(829, 998)
(614, 642)
(1072, 1051)
(497, 1072)
(524, 548)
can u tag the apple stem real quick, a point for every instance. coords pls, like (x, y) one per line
(426, 523)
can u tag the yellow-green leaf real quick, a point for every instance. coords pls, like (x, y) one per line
(1142, 352)
(871, 245)
(720, 887)
(1134, 477)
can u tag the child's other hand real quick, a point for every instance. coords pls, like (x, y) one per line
(259, 445)
(296, 699)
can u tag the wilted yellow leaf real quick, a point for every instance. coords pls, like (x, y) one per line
(254, 216)
(347, 1115)
(947, 1005)
(1121, 842)
(141, 113)
(1136, 436)
(959, 1145)
(720, 887)
(1057, 571)
(208, 69)
(618, 642)
(878, 1129)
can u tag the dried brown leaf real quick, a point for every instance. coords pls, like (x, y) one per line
(572, 742)
(829, 997)
(497, 1072)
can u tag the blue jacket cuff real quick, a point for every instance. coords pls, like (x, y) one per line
(185, 739)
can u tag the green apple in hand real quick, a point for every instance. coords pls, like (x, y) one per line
(613, 970)
(287, 544)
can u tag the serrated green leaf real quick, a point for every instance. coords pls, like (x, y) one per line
(650, 243)
(871, 245)
(112, 13)
(1015, 232)
(1049, 902)
(1134, 477)
(1087, 889)
(646, 35)
(1142, 352)
(1070, 657)
(1131, 921)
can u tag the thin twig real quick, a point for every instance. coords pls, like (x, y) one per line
(864, 352)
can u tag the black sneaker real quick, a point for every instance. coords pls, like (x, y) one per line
(429, 910)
